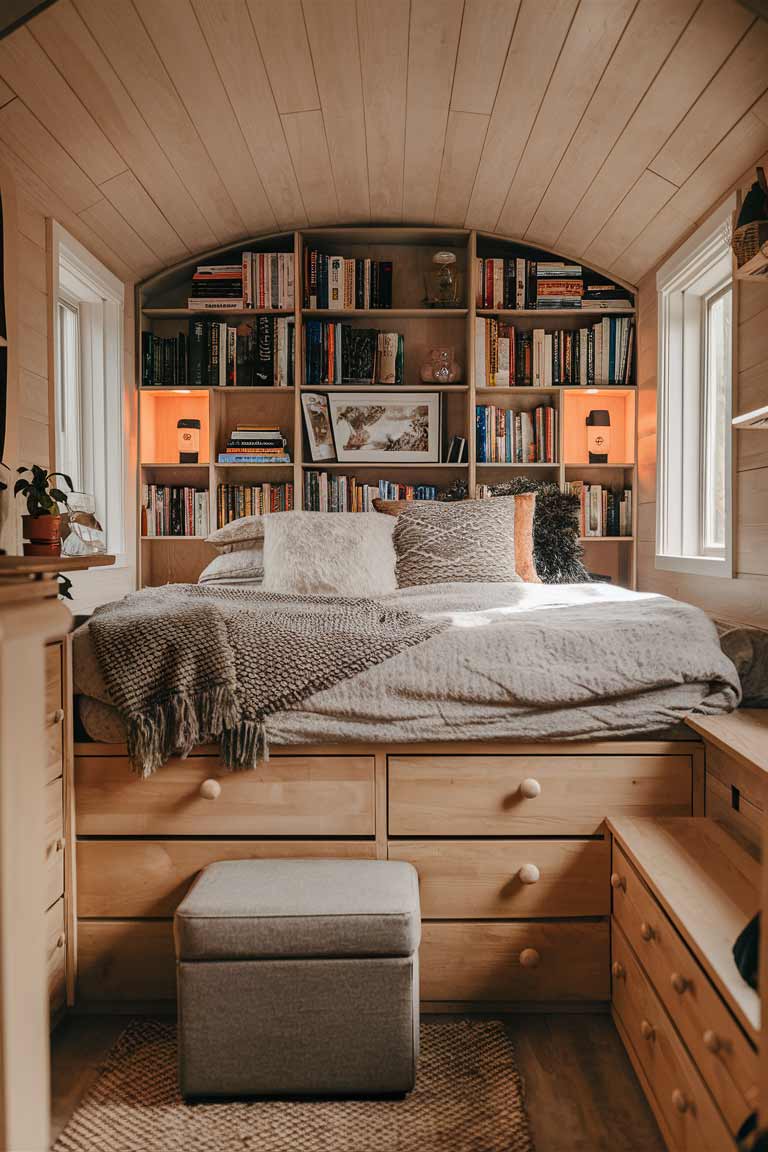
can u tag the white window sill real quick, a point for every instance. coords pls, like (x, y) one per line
(696, 565)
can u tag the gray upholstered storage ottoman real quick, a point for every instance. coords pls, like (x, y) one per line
(299, 977)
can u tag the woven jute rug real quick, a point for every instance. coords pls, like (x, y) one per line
(468, 1098)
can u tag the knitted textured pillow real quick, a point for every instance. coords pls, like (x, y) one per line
(471, 540)
(525, 505)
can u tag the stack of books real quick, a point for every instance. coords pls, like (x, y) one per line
(601, 355)
(168, 510)
(253, 354)
(602, 511)
(334, 493)
(344, 284)
(255, 444)
(558, 285)
(508, 437)
(338, 353)
(602, 296)
(261, 280)
(236, 500)
(163, 360)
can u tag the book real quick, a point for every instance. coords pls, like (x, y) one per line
(236, 500)
(324, 492)
(342, 283)
(173, 510)
(504, 436)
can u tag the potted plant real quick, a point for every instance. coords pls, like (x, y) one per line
(42, 524)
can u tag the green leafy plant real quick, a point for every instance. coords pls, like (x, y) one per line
(41, 493)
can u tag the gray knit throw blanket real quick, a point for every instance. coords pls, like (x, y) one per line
(186, 663)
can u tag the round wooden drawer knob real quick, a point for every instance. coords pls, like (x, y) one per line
(529, 874)
(60, 940)
(618, 970)
(679, 1100)
(60, 844)
(646, 931)
(210, 789)
(57, 716)
(647, 1030)
(530, 958)
(617, 881)
(678, 982)
(530, 788)
(712, 1041)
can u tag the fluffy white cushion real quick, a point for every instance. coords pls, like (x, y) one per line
(244, 566)
(333, 553)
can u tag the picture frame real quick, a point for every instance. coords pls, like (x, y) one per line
(386, 427)
(317, 422)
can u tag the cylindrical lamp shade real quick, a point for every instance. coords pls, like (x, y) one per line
(598, 435)
(189, 441)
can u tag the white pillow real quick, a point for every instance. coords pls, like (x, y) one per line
(332, 553)
(244, 566)
(240, 533)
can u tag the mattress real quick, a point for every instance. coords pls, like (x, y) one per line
(516, 662)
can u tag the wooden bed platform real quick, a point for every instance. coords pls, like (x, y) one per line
(509, 841)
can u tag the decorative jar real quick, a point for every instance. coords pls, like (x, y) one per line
(441, 368)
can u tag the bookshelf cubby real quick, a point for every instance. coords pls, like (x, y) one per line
(162, 309)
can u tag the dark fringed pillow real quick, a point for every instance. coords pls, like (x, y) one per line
(556, 548)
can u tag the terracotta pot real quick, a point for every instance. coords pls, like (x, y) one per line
(43, 532)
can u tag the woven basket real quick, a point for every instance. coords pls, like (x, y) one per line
(748, 240)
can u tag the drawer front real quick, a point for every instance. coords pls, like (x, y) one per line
(120, 960)
(148, 878)
(54, 696)
(54, 842)
(56, 956)
(288, 796)
(54, 746)
(490, 879)
(522, 961)
(692, 1119)
(531, 795)
(701, 1017)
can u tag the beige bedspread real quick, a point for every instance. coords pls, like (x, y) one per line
(519, 661)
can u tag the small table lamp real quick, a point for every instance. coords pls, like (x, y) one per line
(598, 435)
(189, 441)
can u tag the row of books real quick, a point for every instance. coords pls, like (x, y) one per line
(164, 360)
(255, 444)
(214, 354)
(602, 511)
(517, 282)
(600, 355)
(344, 284)
(170, 510)
(338, 353)
(236, 500)
(508, 437)
(259, 280)
(335, 493)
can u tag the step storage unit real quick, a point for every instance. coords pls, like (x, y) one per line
(55, 821)
(682, 890)
(508, 840)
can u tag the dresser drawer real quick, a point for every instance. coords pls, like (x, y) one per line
(54, 697)
(288, 796)
(54, 842)
(526, 960)
(691, 1118)
(722, 1052)
(509, 879)
(57, 957)
(136, 878)
(531, 795)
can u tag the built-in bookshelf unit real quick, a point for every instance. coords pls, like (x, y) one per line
(534, 349)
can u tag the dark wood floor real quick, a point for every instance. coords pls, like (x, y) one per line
(582, 1093)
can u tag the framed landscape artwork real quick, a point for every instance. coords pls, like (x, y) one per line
(398, 428)
(317, 421)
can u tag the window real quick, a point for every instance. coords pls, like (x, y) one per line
(693, 529)
(93, 410)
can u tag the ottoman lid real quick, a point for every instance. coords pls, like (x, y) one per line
(253, 909)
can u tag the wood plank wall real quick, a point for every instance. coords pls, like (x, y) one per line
(744, 598)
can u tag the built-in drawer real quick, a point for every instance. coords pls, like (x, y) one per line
(148, 878)
(692, 1120)
(490, 879)
(57, 957)
(54, 697)
(288, 796)
(535, 960)
(723, 1054)
(531, 795)
(54, 842)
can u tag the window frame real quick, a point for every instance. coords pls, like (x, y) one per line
(701, 269)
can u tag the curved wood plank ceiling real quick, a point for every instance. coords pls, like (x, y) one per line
(155, 129)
